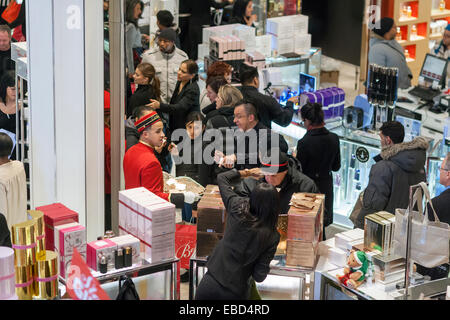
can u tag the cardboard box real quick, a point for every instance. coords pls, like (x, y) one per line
(283, 46)
(264, 45)
(301, 253)
(329, 77)
(302, 43)
(162, 248)
(305, 217)
(211, 215)
(206, 242)
(346, 240)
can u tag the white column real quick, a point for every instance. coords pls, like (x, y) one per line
(65, 57)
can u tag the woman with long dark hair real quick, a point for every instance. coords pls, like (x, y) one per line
(319, 153)
(242, 13)
(8, 104)
(249, 243)
(133, 36)
(185, 98)
(149, 87)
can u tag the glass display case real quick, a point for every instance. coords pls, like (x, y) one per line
(434, 162)
(287, 72)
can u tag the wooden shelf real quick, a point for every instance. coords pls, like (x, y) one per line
(438, 14)
(436, 36)
(407, 20)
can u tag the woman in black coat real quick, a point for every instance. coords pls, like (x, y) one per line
(242, 13)
(223, 115)
(249, 243)
(319, 153)
(185, 98)
(148, 87)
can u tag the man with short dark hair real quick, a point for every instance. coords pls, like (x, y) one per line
(246, 119)
(399, 166)
(267, 107)
(166, 59)
(13, 185)
(6, 63)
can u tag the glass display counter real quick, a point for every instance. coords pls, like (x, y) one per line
(282, 283)
(434, 162)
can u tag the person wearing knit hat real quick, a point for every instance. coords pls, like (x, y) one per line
(385, 51)
(442, 48)
(142, 168)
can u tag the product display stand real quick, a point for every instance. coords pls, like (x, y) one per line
(277, 268)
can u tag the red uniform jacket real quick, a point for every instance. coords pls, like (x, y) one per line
(142, 169)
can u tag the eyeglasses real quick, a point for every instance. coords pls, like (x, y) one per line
(443, 169)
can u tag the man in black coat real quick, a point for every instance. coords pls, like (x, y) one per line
(442, 206)
(6, 63)
(251, 139)
(284, 173)
(268, 108)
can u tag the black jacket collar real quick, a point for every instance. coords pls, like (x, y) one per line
(318, 132)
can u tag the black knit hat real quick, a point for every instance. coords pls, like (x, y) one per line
(165, 18)
(274, 162)
(385, 25)
(168, 34)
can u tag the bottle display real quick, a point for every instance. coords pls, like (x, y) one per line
(442, 5)
(398, 36)
(409, 12)
(413, 31)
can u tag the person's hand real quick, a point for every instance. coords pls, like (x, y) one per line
(228, 161)
(130, 75)
(294, 99)
(154, 104)
(219, 103)
(146, 38)
(160, 149)
(189, 197)
(255, 173)
(218, 157)
(244, 173)
(173, 149)
(251, 20)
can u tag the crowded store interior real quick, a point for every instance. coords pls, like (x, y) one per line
(225, 149)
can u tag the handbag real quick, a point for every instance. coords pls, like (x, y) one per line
(11, 12)
(429, 240)
(127, 290)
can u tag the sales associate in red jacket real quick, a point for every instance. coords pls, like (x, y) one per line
(140, 165)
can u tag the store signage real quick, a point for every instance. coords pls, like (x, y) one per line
(81, 284)
(74, 17)
(362, 154)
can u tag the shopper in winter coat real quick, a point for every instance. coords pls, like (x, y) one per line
(218, 69)
(213, 85)
(249, 243)
(319, 153)
(223, 115)
(268, 108)
(133, 36)
(148, 87)
(166, 59)
(282, 172)
(399, 166)
(193, 143)
(164, 20)
(185, 96)
(385, 51)
(242, 13)
(247, 148)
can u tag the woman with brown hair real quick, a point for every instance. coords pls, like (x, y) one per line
(148, 87)
(185, 98)
(217, 69)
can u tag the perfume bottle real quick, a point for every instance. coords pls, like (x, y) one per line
(337, 190)
(350, 177)
(398, 36)
(407, 54)
(442, 5)
(404, 13)
(409, 12)
(413, 31)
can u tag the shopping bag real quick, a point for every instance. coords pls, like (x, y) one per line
(185, 241)
(127, 290)
(11, 12)
(429, 240)
(357, 208)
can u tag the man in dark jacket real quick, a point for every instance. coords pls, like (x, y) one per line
(399, 166)
(251, 139)
(284, 173)
(268, 108)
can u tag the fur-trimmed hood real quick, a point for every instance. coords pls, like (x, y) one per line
(410, 156)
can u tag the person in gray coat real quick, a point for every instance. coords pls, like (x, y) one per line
(166, 59)
(399, 166)
(385, 51)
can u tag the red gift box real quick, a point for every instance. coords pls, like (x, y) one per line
(55, 215)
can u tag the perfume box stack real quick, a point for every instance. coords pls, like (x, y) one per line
(332, 100)
(349, 239)
(67, 238)
(211, 221)
(55, 215)
(150, 219)
(289, 34)
(304, 230)
(226, 48)
(256, 59)
(379, 232)
(7, 274)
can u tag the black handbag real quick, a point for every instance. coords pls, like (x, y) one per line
(127, 290)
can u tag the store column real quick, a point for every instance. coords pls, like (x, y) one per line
(65, 59)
